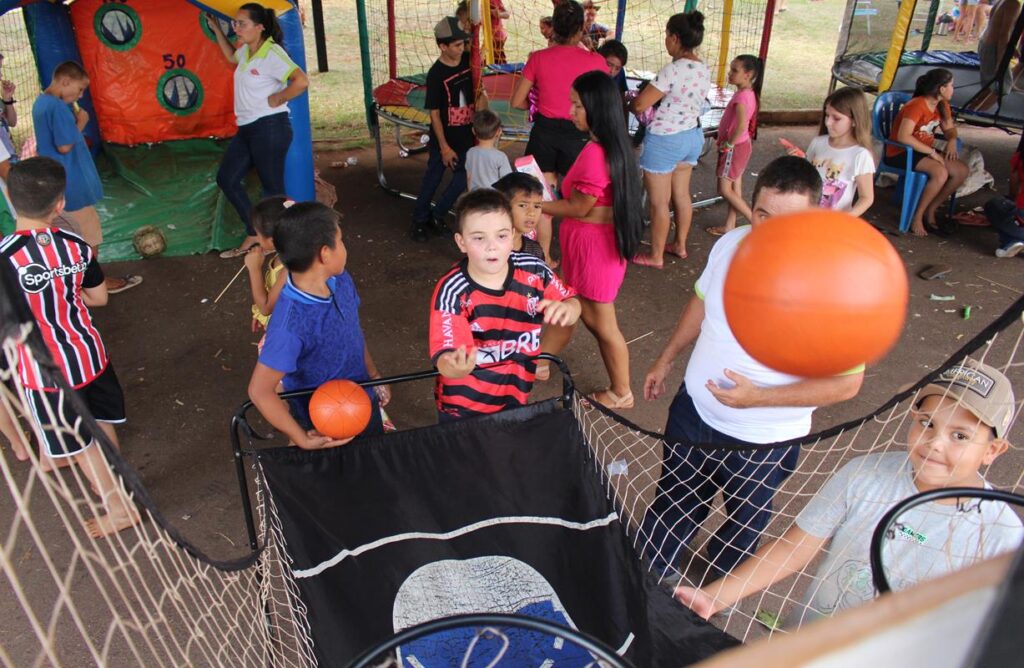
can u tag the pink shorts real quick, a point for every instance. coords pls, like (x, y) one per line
(590, 259)
(732, 163)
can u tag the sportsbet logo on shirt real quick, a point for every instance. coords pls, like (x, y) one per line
(34, 277)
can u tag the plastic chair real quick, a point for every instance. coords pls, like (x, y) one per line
(911, 184)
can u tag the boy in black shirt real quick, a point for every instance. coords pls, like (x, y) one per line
(450, 102)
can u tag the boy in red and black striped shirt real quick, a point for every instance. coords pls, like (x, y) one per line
(60, 278)
(487, 312)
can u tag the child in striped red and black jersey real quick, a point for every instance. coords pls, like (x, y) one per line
(487, 312)
(61, 279)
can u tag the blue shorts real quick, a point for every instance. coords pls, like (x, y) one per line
(662, 153)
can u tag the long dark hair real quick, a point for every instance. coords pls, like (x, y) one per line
(603, 103)
(567, 21)
(751, 63)
(928, 85)
(755, 65)
(688, 27)
(265, 17)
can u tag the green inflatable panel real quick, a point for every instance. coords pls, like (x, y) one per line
(171, 185)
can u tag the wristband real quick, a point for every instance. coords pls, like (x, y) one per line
(11, 101)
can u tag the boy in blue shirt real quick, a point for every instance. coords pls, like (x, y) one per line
(58, 130)
(315, 335)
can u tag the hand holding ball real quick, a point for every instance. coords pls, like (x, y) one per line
(816, 293)
(340, 409)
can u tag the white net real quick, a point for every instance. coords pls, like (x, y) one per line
(141, 596)
(402, 37)
(718, 505)
(402, 46)
(145, 596)
(19, 68)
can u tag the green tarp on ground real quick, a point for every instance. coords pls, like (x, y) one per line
(172, 186)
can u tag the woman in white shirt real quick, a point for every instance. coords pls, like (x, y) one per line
(265, 79)
(675, 139)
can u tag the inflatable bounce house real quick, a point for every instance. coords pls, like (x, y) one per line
(160, 102)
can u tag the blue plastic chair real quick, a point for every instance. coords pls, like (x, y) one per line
(911, 183)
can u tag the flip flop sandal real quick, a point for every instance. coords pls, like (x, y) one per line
(971, 219)
(130, 281)
(617, 402)
(231, 254)
(715, 231)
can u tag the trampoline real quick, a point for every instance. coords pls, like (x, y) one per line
(887, 46)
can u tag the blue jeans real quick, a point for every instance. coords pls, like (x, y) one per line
(690, 479)
(432, 179)
(1002, 215)
(262, 144)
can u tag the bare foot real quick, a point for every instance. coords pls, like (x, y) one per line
(543, 370)
(19, 450)
(718, 230)
(644, 260)
(676, 249)
(918, 230)
(104, 525)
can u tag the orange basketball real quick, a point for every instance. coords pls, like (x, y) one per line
(816, 293)
(340, 409)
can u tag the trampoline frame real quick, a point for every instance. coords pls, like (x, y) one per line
(897, 47)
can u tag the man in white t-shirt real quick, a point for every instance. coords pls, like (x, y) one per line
(729, 399)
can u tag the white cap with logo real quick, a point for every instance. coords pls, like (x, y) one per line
(981, 389)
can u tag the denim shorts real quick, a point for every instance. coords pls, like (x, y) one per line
(662, 153)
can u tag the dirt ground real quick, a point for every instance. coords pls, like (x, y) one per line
(185, 361)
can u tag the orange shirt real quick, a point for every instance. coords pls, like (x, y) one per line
(926, 123)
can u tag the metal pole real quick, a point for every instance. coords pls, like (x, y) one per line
(929, 25)
(318, 36)
(392, 41)
(243, 486)
(723, 48)
(364, 56)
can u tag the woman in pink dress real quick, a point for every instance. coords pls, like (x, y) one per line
(601, 225)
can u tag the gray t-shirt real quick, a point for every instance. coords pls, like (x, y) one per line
(924, 543)
(485, 166)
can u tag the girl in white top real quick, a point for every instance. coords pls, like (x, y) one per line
(265, 79)
(843, 156)
(674, 139)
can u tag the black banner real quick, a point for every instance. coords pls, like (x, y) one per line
(502, 514)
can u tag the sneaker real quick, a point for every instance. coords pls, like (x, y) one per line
(1011, 250)
(418, 233)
